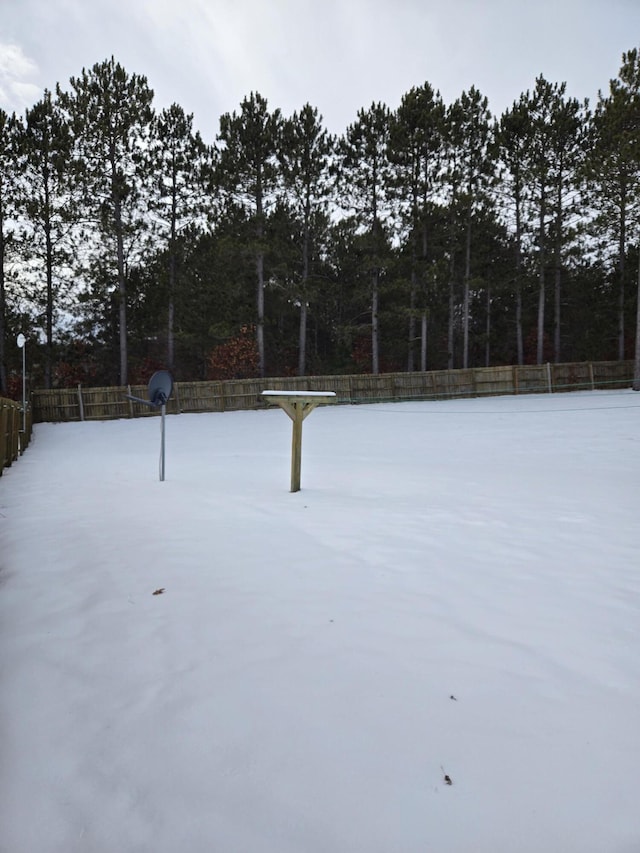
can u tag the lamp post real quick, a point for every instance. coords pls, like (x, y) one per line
(22, 343)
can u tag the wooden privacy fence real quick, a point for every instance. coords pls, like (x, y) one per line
(13, 438)
(75, 404)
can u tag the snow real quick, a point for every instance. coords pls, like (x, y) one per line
(298, 393)
(454, 591)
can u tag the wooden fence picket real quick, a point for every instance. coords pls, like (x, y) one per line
(13, 440)
(72, 404)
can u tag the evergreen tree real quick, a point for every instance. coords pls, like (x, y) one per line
(613, 169)
(111, 112)
(492, 288)
(539, 177)
(513, 138)
(249, 144)
(306, 158)
(416, 153)
(10, 132)
(364, 181)
(470, 174)
(50, 209)
(181, 165)
(567, 149)
(340, 310)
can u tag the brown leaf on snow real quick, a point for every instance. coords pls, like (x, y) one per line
(159, 591)
(447, 780)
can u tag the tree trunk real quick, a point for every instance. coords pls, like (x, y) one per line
(172, 280)
(452, 302)
(556, 315)
(541, 281)
(423, 347)
(519, 335)
(302, 337)
(636, 370)
(487, 345)
(260, 277)
(170, 333)
(412, 322)
(375, 363)
(465, 310)
(3, 366)
(451, 324)
(558, 275)
(122, 294)
(621, 273)
(260, 308)
(302, 334)
(541, 297)
(48, 360)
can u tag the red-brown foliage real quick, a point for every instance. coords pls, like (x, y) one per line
(235, 359)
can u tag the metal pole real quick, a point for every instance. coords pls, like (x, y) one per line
(164, 409)
(24, 388)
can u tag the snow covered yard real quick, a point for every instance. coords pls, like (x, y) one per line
(454, 596)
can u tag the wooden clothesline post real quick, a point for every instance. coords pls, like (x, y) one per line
(297, 404)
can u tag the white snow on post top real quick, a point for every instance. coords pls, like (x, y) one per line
(298, 393)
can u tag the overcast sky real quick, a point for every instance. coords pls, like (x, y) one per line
(338, 55)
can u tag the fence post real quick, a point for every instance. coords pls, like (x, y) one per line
(14, 433)
(29, 423)
(434, 384)
(3, 435)
(80, 402)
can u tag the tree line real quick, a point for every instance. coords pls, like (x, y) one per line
(433, 236)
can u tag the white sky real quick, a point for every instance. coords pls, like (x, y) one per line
(339, 55)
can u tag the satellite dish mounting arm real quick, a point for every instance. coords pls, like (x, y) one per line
(159, 391)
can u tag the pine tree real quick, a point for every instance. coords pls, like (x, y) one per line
(49, 209)
(416, 153)
(306, 158)
(364, 181)
(248, 148)
(567, 149)
(471, 172)
(539, 177)
(613, 170)
(513, 133)
(10, 131)
(111, 112)
(181, 166)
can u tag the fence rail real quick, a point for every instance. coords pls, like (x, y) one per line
(15, 431)
(75, 404)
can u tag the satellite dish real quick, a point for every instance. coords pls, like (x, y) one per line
(159, 391)
(160, 387)
(21, 340)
